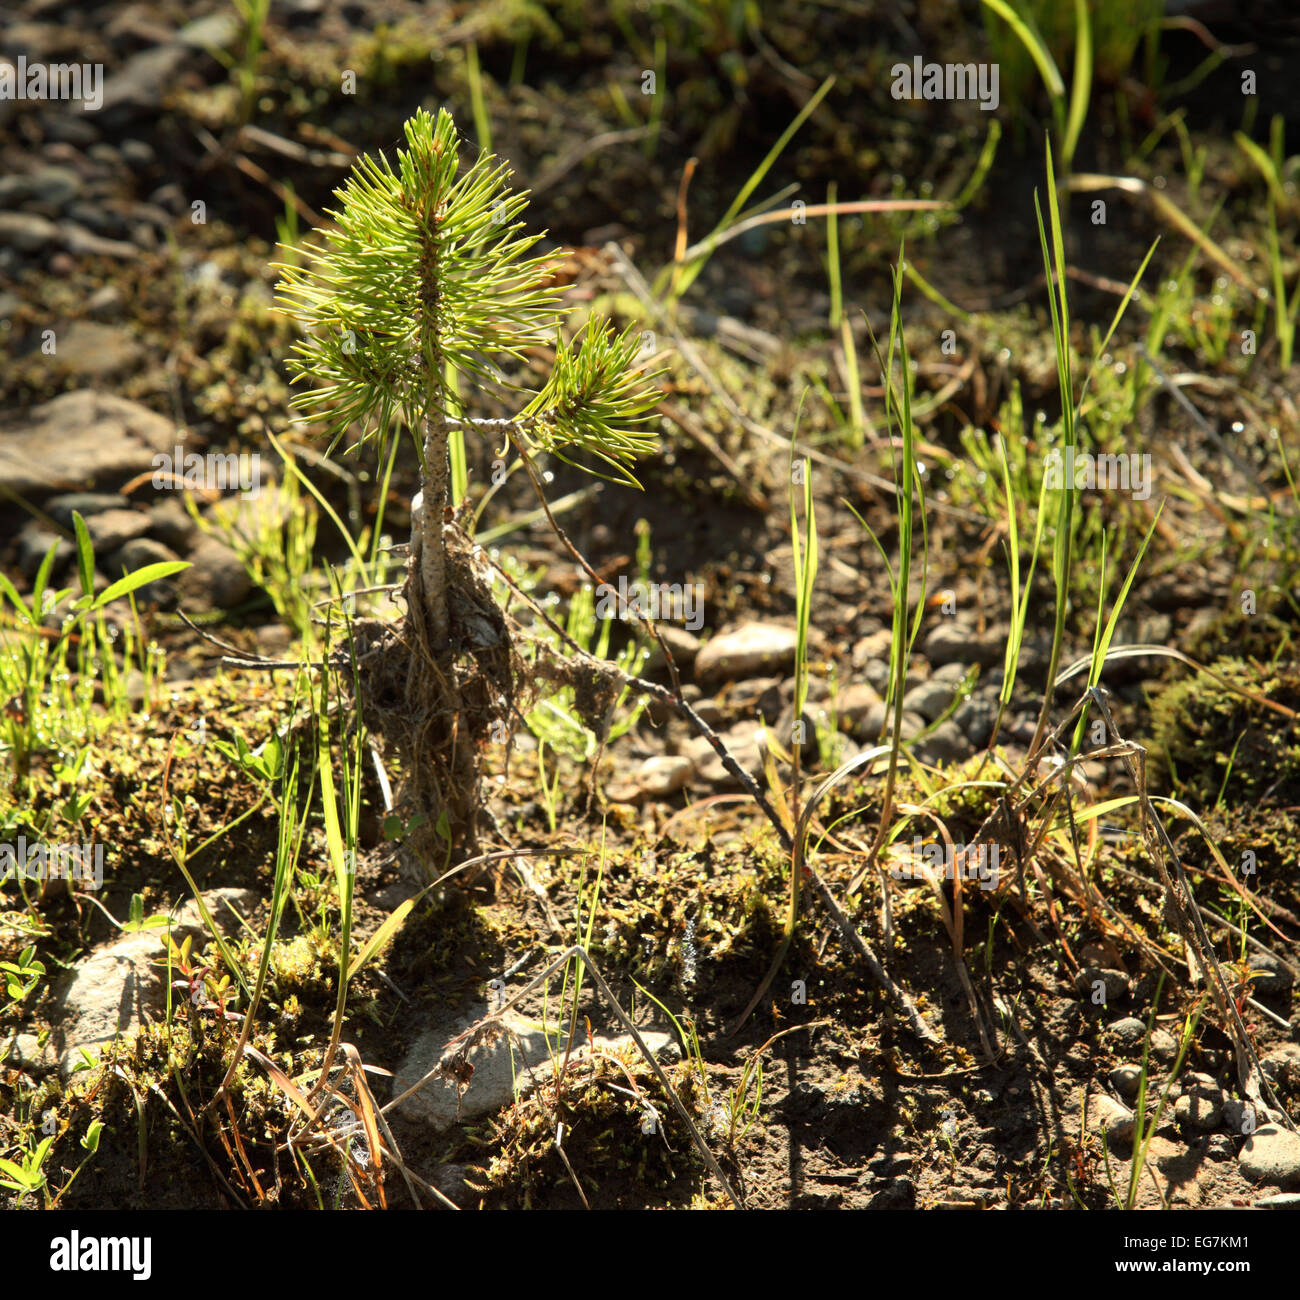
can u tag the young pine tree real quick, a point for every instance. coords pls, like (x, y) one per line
(421, 291)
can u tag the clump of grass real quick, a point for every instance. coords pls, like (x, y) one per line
(51, 681)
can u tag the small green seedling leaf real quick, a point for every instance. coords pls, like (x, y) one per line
(85, 555)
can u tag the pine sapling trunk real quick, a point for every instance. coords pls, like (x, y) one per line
(446, 755)
(433, 545)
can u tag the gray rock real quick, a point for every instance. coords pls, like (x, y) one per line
(869, 722)
(872, 648)
(684, 646)
(142, 551)
(956, 643)
(953, 673)
(152, 215)
(755, 650)
(1281, 1067)
(1164, 1046)
(1126, 1079)
(1115, 983)
(758, 695)
(1128, 1032)
(709, 711)
(1200, 1108)
(976, 715)
(663, 775)
(876, 674)
(1271, 1155)
(215, 31)
(105, 304)
(170, 197)
(56, 186)
(913, 725)
(102, 221)
(1268, 974)
(34, 542)
(137, 554)
(854, 704)
(303, 13)
(1113, 1118)
(25, 1052)
(15, 189)
(450, 1180)
(1173, 592)
(1279, 1201)
(138, 87)
(86, 504)
(743, 742)
(1243, 1117)
(110, 530)
(75, 127)
(27, 232)
(108, 993)
(171, 524)
(90, 350)
(217, 578)
(929, 699)
(945, 744)
(77, 239)
(516, 1060)
(138, 153)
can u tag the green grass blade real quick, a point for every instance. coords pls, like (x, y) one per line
(1081, 89)
(1032, 42)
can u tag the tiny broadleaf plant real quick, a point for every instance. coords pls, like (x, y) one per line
(420, 291)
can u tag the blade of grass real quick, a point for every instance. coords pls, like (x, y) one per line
(683, 276)
(1081, 89)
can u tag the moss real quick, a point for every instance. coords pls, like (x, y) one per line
(677, 917)
(1206, 733)
(617, 1156)
(1265, 635)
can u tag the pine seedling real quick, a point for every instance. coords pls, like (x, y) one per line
(422, 290)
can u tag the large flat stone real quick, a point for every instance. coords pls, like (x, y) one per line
(77, 441)
(113, 990)
(511, 1064)
(755, 650)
